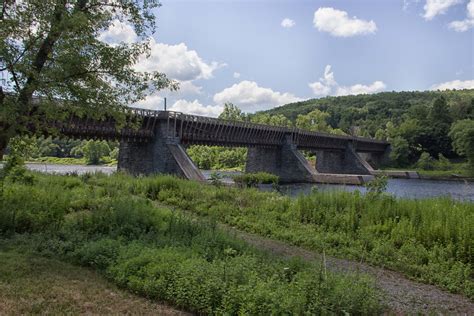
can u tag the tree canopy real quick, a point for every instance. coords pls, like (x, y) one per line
(51, 49)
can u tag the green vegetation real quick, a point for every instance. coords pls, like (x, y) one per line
(56, 54)
(110, 225)
(414, 122)
(462, 133)
(218, 158)
(433, 122)
(250, 180)
(438, 168)
(30, 284)
(59, 161)
(64, 151)
(430, 240)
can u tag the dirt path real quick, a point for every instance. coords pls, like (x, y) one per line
(401, 294)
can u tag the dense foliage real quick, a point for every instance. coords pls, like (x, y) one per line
(64, 150)
(217, 158)
(52, 49)
(430, 240)
(109, 224)
(414, 122)
(462, 133)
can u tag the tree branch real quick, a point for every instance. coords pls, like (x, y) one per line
(15, 78)
(42, 56)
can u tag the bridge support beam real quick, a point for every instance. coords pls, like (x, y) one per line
(377, 160)
(345, 161)
(284, 161)
(162, 155)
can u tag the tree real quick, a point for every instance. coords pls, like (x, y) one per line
(462, 134)
(51, 49)
(400, 151)
(313, 121)
(275, 120)
(94, 150)
(440, 121)
(425, 161)
(232, 112)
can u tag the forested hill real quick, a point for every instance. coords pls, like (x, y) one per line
(372, 111)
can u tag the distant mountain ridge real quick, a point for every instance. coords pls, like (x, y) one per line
(365, 109)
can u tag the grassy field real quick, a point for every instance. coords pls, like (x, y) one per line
(30, 284)
(101, 223)
(430, 240)
(70, 161)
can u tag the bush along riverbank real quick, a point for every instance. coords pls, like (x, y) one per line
(109, 224)
(430, 240)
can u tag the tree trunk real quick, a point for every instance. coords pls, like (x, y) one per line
(3, 145)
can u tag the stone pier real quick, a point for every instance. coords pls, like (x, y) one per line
(284, 161)
(345, 161)
(164, 154)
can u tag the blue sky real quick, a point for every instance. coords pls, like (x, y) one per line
(240, 51)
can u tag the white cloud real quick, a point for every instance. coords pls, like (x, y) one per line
(236, 75)
(186, 89)
(461, 26)
(328, 78)
(455, 84)
(287, 23)
(196, 108)
(250, 97)
(319, 88)
(177, 62)
(155, 101)
(435, 7)
(338, 23)
(466, 24)
(327, 85)
(151, 102)
(118, 32)
(376, 86)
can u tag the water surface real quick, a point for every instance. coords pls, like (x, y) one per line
(406, 188)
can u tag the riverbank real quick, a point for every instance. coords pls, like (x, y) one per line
(165, 256)
(457, 172)
(344, 224)
(72, 161)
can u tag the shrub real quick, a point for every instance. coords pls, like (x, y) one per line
(254, 179)
(377, 186)
(442, 163)
(425, 161)
(96, 222)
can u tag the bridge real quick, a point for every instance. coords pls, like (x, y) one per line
(157, 145)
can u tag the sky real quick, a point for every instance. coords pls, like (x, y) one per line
(262, 54)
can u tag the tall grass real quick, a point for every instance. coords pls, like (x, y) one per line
(430, 240)
(109, 224)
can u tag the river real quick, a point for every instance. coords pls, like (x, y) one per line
(406, 188)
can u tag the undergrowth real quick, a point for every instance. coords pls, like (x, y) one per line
(431, 240)
(110, 225)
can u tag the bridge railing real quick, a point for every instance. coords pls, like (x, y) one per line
(139, 126)
(211, 131)
(194, 129)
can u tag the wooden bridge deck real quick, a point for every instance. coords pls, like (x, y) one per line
(193, 129)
